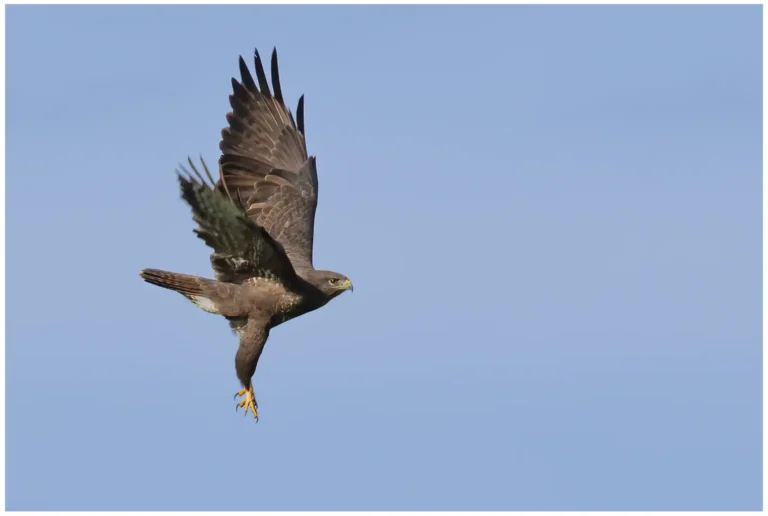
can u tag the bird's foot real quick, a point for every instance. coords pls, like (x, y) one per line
(249, 402)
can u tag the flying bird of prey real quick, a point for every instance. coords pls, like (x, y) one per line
(259, 220)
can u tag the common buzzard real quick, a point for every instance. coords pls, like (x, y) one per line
(259, 220)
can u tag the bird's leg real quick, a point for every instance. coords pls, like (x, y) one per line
(249, 402)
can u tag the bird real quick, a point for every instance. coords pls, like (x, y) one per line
(258, 218)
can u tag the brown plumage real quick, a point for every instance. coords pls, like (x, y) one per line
(259, 220)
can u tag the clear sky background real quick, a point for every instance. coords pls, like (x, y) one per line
(551, 215)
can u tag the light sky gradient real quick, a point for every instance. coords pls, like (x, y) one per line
(551, 215)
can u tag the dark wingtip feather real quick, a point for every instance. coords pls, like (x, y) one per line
(183, 174)
(260, 75)
(300, 114)
(194, 169)
(245, 75)
(276, 78)
(207, 172)
(186, 183)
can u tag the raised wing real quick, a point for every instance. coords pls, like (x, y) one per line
(241, 248)
(264, 165)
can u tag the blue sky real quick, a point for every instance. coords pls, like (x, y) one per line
(551, 216)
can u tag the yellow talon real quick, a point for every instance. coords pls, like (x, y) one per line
(249, 402)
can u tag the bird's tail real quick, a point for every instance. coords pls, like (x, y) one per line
(191, 287)
(182, 283)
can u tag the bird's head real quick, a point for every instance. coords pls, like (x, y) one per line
(330, 283)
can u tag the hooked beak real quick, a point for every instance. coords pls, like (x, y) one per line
(348, 286)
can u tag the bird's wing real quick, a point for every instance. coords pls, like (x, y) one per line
(264, 165)
(241, 249)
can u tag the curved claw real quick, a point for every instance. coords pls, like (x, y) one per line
(248, 403)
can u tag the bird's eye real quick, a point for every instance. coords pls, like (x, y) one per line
(333, 281)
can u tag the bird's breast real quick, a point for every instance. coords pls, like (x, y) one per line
(290, 305)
